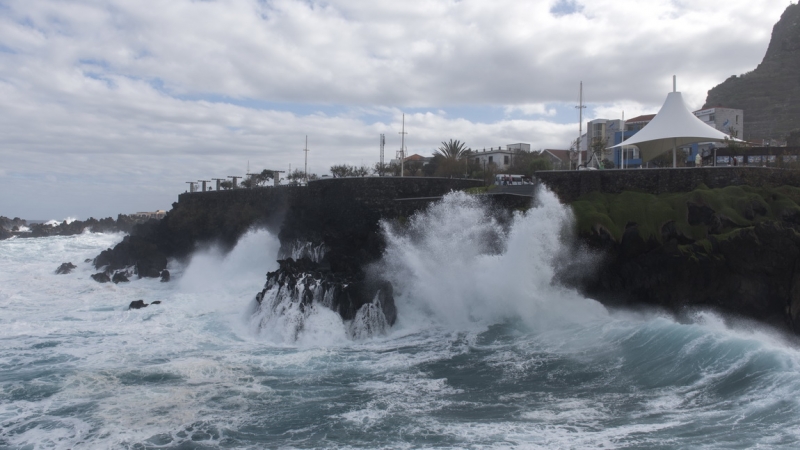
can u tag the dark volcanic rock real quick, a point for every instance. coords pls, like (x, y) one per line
(305, 282)
(101, 277)
(703, 215)
(119, 277)
(137, 304)
(749, 272)
(65, 268)
(133, 251)
(164, 276)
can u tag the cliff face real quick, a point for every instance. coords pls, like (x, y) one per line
(770, 94)
(736, 249)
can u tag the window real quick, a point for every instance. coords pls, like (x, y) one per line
(737, 119)
(491, 159)
(505, 160)
(712, 118)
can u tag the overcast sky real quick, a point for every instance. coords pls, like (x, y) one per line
(108, 107)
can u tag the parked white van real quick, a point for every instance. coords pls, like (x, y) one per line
(509, 180)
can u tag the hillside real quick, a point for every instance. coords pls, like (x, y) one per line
(770, 94)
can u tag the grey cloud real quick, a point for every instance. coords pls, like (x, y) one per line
(112, 103)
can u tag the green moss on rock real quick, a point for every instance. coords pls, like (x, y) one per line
(733, 208)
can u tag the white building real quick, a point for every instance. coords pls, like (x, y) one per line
(728, 120)
(502, 158)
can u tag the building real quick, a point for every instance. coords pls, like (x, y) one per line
(157, 214)
(637, 123)
(502, 158)
(630, 155)
(728, 120)
(560, 159)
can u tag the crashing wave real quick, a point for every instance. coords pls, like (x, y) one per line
(298, 289)
(299, 249)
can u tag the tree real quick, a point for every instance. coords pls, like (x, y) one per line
(295, 177)
(453, 149)
(574, 154)
(537, 163)
(226, 185)
(448, 167)
(380, 169)
(793, 138)
(360, 171)
(341, 170)
(597, 147)
(413, 167)
(259, 179)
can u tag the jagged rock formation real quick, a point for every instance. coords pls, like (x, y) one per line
(65, 268)
(770, 94)
(101, 277)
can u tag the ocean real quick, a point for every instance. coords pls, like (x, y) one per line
(487, 352)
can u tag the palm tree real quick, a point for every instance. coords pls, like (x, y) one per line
(453, 149)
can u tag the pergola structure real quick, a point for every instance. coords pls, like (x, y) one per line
(674, 126)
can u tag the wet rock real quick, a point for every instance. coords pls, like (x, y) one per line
(704, 215)
(164, 276)
(157, 302)
(670, 231)
(101, 277)
(137, 304)
(305, 282)
(87, 260)
(120, 277)
(65, 268)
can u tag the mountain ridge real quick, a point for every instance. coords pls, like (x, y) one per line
(769, 94)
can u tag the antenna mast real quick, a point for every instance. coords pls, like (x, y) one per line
(383, 144)
(580, 125)
(402, 152)
(305, 172)
(621, 140)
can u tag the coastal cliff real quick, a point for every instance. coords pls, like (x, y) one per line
(724, 238)
(329, 233)
(734, 249)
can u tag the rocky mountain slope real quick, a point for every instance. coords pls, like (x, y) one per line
(770, 94)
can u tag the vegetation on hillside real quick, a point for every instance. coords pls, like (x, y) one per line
(736, 206)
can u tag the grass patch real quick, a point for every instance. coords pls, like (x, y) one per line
(737, 206)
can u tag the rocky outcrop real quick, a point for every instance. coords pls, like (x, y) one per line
(65, 268)
(120, 277)
(139, 304)
(123, 224)
(101, 277)
(335, 222)
(770, 94)
(304, 283)
(333, 231)
(731, 250)
(148, 260)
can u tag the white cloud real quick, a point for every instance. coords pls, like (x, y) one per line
(533, 109)
(122, 101)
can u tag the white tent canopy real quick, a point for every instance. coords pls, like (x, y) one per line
(674, 126)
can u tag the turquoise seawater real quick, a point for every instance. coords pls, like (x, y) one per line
(487, 352)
